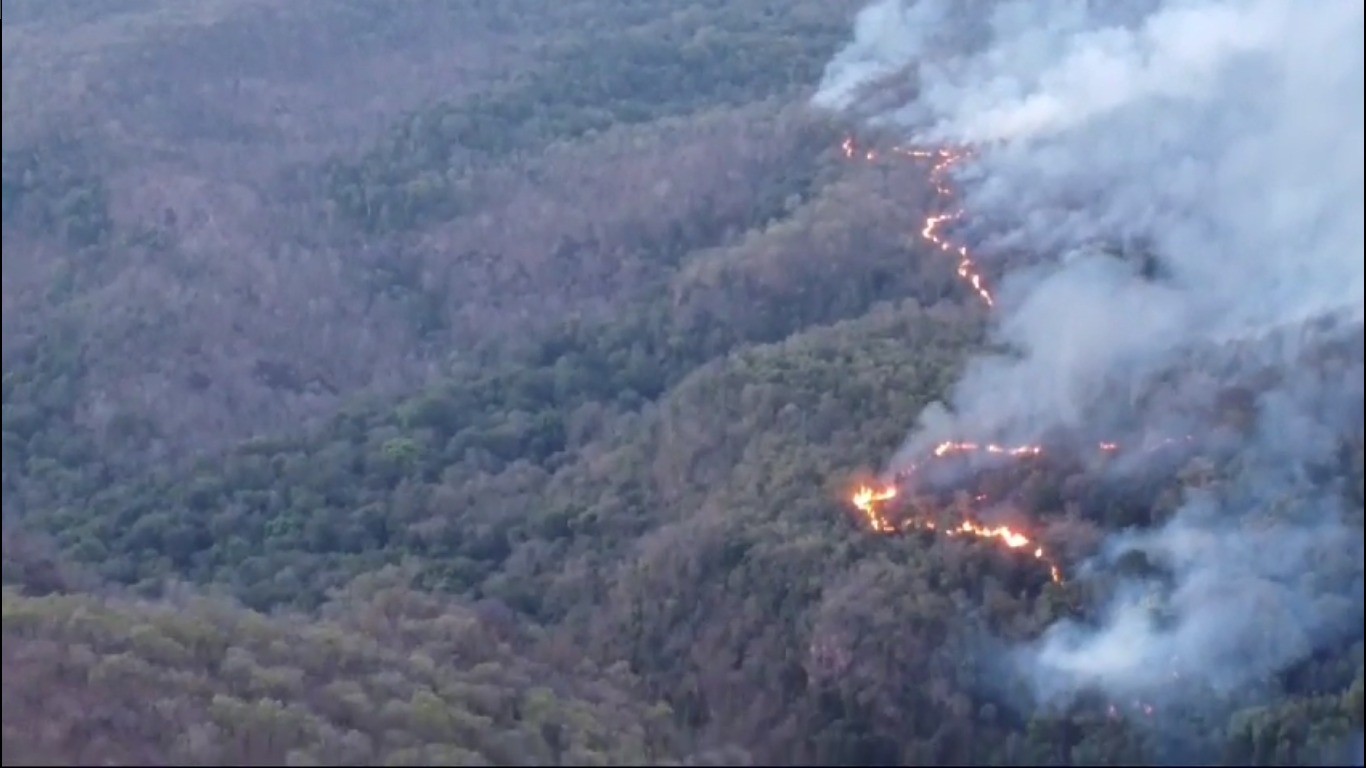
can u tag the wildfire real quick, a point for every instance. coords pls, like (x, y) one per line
(867, 500)
(870, 501)
(950, 448)
(944, 160)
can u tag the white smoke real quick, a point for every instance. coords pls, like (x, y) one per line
(882, 47)
(1226, 134)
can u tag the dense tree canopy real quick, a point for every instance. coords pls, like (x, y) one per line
(496, 401)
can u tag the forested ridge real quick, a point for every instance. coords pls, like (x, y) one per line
(429, 387)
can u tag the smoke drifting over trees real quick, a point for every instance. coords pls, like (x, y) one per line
(488, 382)
(1226, 137)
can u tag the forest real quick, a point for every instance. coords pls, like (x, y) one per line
(484, 384)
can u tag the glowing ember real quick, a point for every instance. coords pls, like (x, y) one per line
(950, 448)
(870, 501)
(943, 163)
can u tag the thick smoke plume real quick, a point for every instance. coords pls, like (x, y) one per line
(1224, 141)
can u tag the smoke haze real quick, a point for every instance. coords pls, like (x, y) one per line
(1226, 137)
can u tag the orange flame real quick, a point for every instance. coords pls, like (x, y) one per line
(950, 448)
(869, 501)
(944, 160)
(1013, 539)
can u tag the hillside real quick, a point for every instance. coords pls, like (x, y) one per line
(484, 383)
(218, 223)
